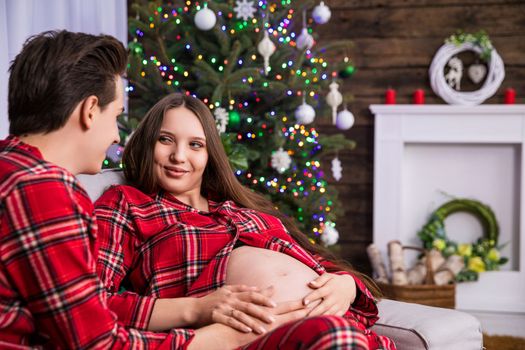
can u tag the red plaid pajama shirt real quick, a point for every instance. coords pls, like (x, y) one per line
(159, 247)
(50, 294)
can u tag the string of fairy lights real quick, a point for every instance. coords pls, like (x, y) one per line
(305, 177)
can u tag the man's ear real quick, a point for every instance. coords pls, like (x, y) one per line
(88, 109)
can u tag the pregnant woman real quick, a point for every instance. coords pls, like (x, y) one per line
(199, 252)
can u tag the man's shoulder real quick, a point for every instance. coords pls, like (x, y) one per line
(21, 172)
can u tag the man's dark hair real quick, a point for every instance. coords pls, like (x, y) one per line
(54, 72)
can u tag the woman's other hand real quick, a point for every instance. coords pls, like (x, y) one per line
(246, 309)
(334, 294)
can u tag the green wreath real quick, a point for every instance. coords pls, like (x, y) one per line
(483, 255)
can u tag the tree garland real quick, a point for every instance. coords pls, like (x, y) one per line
(483, 255)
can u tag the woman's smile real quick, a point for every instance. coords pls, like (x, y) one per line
(174, 171)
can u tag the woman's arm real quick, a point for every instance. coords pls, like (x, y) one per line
(240, 307)
(117, 243)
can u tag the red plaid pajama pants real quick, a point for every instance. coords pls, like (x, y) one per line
(314, 333)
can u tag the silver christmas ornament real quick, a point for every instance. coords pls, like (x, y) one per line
(304, 114)
(305, 40)
(281, 160)
(221, 119)
(330, 235)
(337, 169)
(205, 19)
(321, 13)
(334, 99)
(345, 120)
(266, 48)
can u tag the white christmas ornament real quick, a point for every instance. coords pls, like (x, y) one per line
(334, 99)
(266, 48)
(245, 9)
(476, 72)
(305, 40)
(337, 169)
(304, 114)
(321, 13)
(221, 119)
(281, 160)
(205, 19)
(453, 77)
(330, 236)
(345, 119)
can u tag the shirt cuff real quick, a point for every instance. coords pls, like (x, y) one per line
(132, 310)
(364, 306)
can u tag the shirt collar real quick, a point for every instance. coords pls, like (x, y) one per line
(14, 141)
(167, 198)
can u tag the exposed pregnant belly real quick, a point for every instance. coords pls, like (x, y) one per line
(262, 268)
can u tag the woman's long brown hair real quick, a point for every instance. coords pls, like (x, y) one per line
(218, 177)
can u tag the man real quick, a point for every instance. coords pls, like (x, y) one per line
(65, 94)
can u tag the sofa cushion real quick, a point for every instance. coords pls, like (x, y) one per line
(414, 326)
(95, 185)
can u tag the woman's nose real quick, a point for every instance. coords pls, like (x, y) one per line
(177, 155)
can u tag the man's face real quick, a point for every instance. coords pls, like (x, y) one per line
(104, 131)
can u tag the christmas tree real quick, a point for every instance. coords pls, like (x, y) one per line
(259, 69)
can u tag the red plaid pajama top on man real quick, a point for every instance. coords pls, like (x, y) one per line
(50, 294)
(159, 247)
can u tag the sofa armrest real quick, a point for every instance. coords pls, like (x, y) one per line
(414, 326)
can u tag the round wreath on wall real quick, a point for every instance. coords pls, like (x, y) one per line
(482, 255)
(447, 70)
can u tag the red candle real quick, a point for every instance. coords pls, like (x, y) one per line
(390, 97)
(419, 97)
(510, 96)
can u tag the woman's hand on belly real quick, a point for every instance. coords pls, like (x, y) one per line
(246, 309)
(334, 293)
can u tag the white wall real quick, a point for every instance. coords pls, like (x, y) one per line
(20, 19)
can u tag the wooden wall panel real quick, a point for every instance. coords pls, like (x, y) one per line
(394, 43)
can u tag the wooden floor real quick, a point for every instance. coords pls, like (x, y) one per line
(495, 323)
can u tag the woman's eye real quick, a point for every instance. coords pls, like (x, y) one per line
(164, 139)
(196, 145)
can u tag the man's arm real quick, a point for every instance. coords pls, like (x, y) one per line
(48, 254)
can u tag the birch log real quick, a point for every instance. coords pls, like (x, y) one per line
(397, 263)
(436, 259)
(446, 272)
(416, 275)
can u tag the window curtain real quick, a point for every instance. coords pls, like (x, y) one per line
(20, 19)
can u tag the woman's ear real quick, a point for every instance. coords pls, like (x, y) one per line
(88, 109)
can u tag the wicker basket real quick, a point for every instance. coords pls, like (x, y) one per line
(427, 294)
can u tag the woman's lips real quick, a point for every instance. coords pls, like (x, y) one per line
(175, 171)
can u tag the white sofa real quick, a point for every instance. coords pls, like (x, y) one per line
(411, 326)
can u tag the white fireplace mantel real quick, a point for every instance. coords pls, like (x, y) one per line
(423, 151)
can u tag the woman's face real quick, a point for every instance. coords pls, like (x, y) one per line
(180, 154)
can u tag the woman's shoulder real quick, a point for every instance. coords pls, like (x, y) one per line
(122, 195)
(263, 219)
